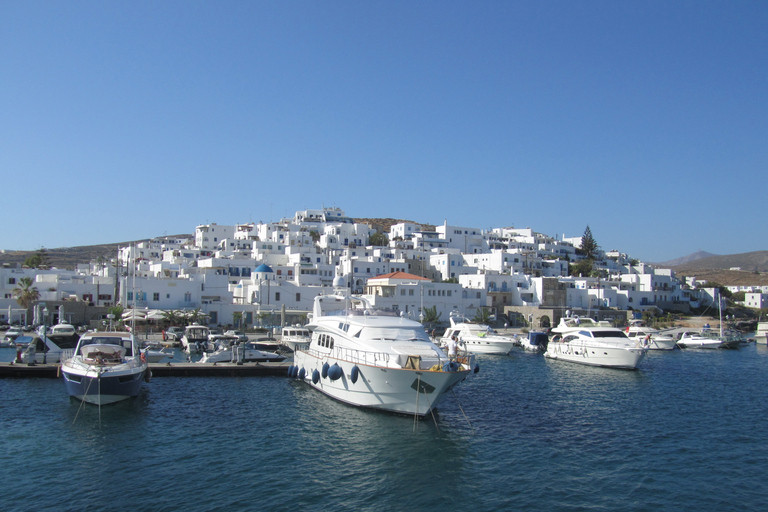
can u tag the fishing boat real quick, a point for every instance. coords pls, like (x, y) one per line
(478, 338)
(374, 358)
(585, 341)
(106, 367)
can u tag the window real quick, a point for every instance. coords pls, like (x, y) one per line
(156, 296)
(277, 296)
(11, 280)
(298, 297)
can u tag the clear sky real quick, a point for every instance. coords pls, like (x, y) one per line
(646, 121)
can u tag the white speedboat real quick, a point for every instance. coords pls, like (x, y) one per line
(706, 340)
(49, 349)
(374, 358)
(106, 367)
(226, 353)
(478, 338)
(652, 338)
(293, 335)
(584, 341)
(195, 338)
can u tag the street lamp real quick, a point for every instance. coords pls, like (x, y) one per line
(45, 335)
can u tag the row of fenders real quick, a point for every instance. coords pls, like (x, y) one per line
(328, 372)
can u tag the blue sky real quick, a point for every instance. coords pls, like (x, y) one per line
(647, 121)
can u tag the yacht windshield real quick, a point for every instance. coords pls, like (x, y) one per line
(609, 334)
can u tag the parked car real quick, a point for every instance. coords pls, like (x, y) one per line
(13, 333)
(174, 333)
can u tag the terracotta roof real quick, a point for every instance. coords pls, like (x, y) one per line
(401, 275)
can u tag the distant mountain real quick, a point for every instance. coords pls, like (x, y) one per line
(749, 261)
(70, 257)
(686, 259)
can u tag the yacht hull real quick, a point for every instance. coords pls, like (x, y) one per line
(101, 388)
(397, 390)
(488, 346)
(609, 357)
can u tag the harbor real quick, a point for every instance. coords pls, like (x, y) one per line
(526, 430)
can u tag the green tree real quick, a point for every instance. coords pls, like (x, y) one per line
(431, 316)
(38, 260)
(581, 267)
(378, 240)
(194, 316)
(25, 293)
(172, 317)
(482, 316)
(588, 244)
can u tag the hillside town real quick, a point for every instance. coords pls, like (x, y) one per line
(267, 274)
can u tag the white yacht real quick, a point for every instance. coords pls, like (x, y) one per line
(106, 367)
(705, 339)
(584, 341)
(478, 338)
(294, 335)
(226, 353)
(650, 337)
(195, 338)
(374, 358)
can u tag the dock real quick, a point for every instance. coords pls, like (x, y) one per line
(52, 371)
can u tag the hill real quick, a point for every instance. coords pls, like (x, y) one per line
(686, 259)
(70, 257)
(752, 268)
(749, 261)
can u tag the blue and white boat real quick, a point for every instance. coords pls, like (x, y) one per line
(106, 367)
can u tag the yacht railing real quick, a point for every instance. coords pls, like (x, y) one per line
(351, 355)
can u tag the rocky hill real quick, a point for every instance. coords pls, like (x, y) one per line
(750, 268)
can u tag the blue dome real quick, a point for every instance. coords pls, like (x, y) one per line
(263, 268)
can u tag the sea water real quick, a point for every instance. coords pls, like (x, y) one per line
(685, 432)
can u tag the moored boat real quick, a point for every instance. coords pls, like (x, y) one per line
(245, 353)
(535, 341)
(195, 338)
(706, 340)
(584, 341)
(478, 338)
(106, 367)
(652, 338)
(294, 335)
(374, 358)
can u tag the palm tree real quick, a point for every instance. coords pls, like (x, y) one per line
(431, 316)
(26, 294)
(483, 316)
(172, 316)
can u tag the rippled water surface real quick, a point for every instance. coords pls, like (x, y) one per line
(685, 432)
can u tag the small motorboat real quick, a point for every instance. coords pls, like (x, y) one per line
(106, 367)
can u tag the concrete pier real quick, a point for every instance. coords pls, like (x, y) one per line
(52, 371)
